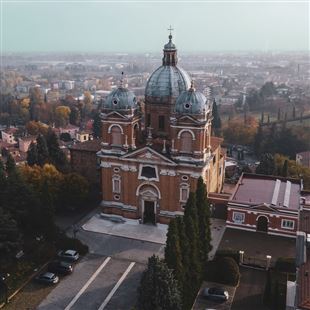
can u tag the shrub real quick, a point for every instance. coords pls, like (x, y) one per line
(227, 271)
(228, 253)
(65, 242)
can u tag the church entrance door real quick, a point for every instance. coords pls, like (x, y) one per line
(149, 214)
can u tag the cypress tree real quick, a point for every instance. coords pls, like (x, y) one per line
(158, 289)
(10, 165)
(216, 121)
(97, 125)
(203, 210)
(42, 150)
(192, 233)
(173, 255)
(285, 168)
(56, 155)
(32, 154)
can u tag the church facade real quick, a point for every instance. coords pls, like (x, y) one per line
(149, 163)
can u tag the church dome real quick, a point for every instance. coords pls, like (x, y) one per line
(120, 98)
(167, 81)
(191, 102)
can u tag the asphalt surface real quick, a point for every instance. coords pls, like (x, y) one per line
(105, 279)
(249, 294)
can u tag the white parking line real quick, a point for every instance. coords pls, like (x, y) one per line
(90, 280)
(117, 285)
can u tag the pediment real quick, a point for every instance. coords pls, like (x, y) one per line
(116, 115)
(187, 119)
(147, 154)
(264, 207)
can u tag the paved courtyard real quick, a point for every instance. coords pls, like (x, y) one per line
(256, 244)
(129, 229)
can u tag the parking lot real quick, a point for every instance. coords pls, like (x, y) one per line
(97, 282)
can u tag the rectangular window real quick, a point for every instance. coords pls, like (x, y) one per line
(148, 120)
(116, 186)
(184, 192)
(238, 217)
(161, 122)
(287, 224)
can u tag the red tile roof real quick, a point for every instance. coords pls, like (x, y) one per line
(90, 146)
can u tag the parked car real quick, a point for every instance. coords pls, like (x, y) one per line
(60, 267)
(215, 293)
(69, 255)
(47, 278)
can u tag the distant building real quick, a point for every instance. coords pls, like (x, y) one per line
(24, 143)
(265, 203)
(8, 135)
(303, 159)
(82, 136)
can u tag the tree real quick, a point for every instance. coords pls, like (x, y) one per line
(10, 165)
(75, 190)
(193, 271)
(158, 289)
(75, 116)
(258, 139)
(97, 125)
(56, 156)
(173, 254)
(216, 121)
(36, 101)
(294, 112)
(42, 150)
(32, 154)
(266, 165)
(228, 271)
(10, 236)
(285, 169)
(62, 114)
(203, 210)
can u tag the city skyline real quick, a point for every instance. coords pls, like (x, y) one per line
(136, 27)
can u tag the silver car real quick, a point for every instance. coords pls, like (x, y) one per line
(47, 278)
(69, 255)
(216, 294)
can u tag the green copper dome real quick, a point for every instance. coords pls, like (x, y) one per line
(121, 99)
(191, 102)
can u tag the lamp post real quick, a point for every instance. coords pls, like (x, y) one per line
(241, 257)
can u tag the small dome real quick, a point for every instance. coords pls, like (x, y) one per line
(170, 45)
(120, 99)
(167, 81)
(191, 102)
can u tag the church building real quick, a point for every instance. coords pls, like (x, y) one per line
(149, 163)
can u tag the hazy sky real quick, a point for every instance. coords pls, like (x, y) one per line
(92, 26)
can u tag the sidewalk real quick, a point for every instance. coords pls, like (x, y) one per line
(129, 229)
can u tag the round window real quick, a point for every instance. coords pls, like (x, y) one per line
(117, 197)
(184, 177)
(187, 105)
(116, 169)
(115, 101)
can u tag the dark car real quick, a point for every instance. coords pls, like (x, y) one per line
(60, 267)
(47, 278)
(69, 255)
(216, 294)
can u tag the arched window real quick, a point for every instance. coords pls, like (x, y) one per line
(186, 142)
(116, 135)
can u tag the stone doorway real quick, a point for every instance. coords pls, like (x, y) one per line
(262, 224)
(149, 212)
